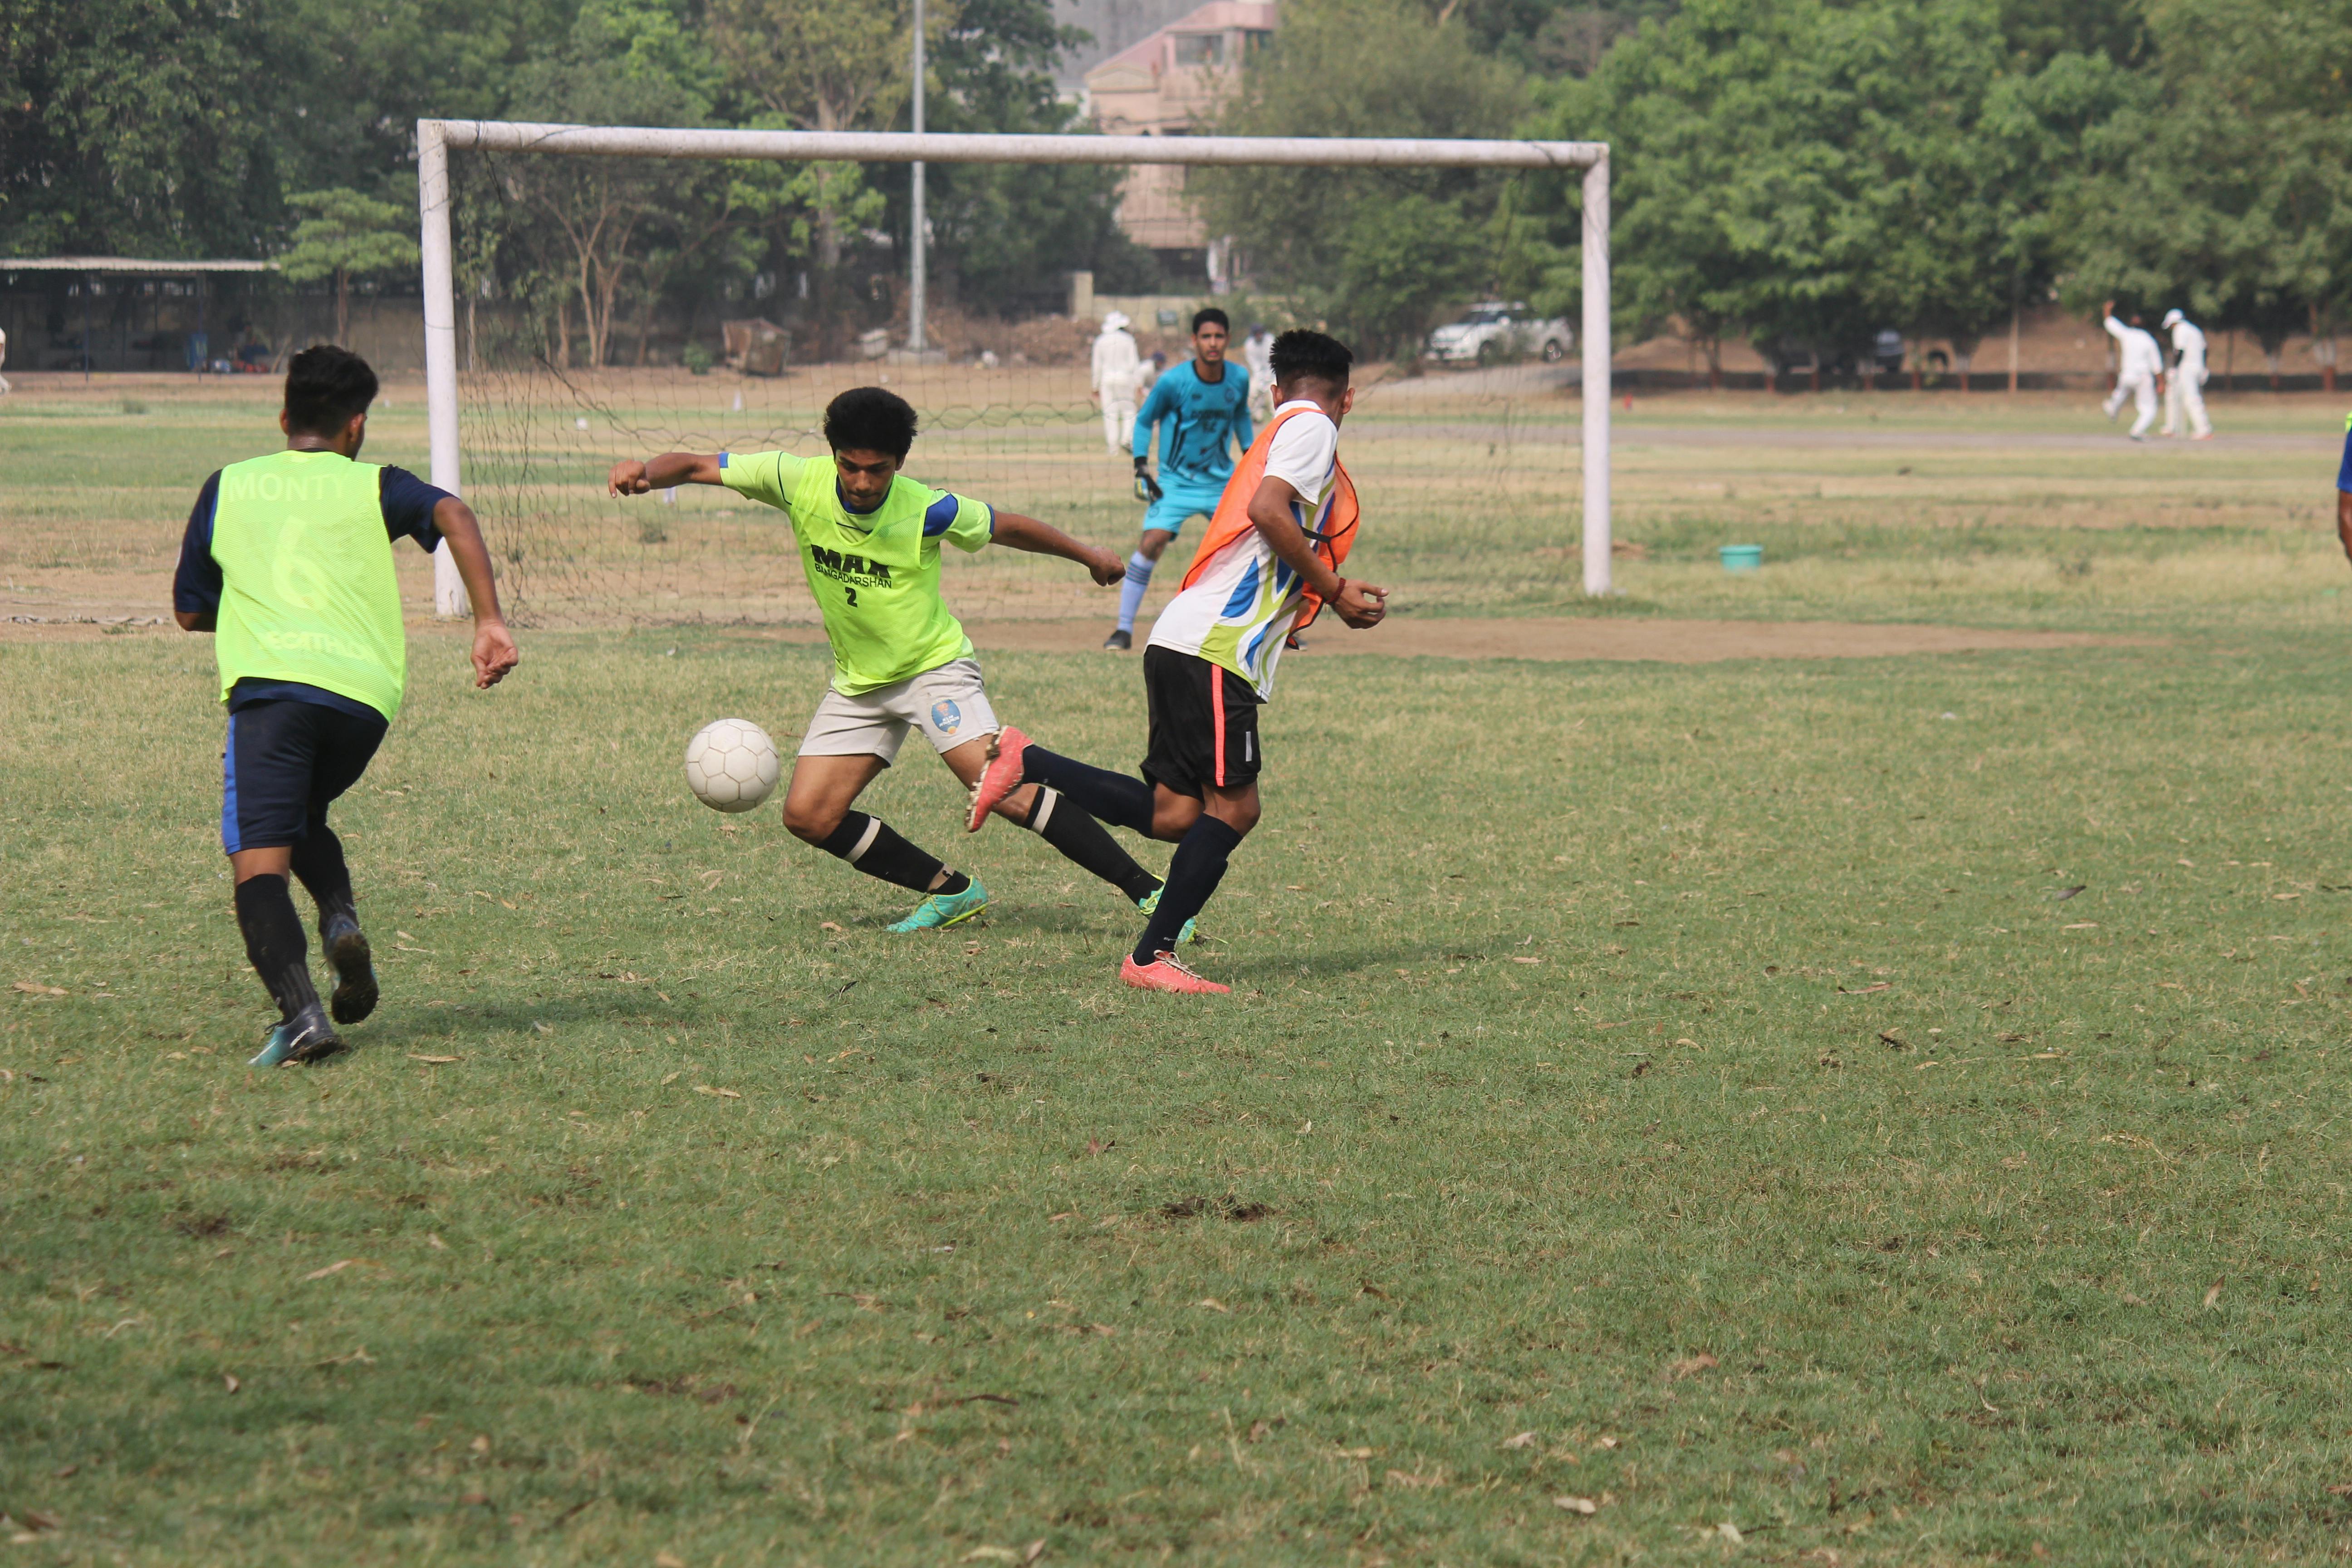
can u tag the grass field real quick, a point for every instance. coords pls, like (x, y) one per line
(1679, 1089)
(2023, 511)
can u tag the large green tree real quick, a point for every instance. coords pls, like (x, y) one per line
(2226, 186)
(2038, 31)
(347, 235)
(1375, 252)
(358, 78)
(1001, 235)
(1802, 173)
(1796, 172)
(1970, 144)
(1740, 193)
(141, 126)
(590, 236)
(819, 65)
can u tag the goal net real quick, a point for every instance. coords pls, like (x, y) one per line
(598, 293)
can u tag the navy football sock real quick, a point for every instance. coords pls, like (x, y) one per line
(1192, 877)
(275, 943)
(1120, 799)
(319, 864)
(1087, 845)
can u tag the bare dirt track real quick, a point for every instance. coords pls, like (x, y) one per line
(1570, 638)
(1559, 640)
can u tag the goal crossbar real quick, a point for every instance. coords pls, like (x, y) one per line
(989, 147)
(434, 138)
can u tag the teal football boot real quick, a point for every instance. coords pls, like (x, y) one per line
(939, 910)
(1150, 904)
(305, 1037)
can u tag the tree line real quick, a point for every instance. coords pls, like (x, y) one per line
(285, 129)
(1803, 174)
(1799, 175)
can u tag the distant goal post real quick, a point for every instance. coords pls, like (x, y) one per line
(436, 138)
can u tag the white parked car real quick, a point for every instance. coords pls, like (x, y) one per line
(1494, 331)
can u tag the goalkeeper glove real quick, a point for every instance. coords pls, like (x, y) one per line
(1147, 488)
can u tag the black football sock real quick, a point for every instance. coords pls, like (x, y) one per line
(318, 860)
(274, 941)
(1192, 875)
(1086, 843)
(319, 863)
(1120, 799)
(868, 844)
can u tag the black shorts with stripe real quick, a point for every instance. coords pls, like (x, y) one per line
(286, 761)
(1203, 723)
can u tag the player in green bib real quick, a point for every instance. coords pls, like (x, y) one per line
(287, 561)
(869, 539)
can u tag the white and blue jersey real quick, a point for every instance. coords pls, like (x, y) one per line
(1200, 424)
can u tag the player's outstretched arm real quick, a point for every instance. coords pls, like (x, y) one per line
(1360, 604)
(1044, 539)
(2344, 520)
(630, 477)
(494, 649)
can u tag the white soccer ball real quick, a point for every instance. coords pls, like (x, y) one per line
(731, 765)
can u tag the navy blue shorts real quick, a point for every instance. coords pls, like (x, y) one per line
(283, 764)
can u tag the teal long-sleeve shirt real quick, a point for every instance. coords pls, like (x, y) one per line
(1200, 423)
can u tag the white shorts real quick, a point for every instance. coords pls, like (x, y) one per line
(949, 704)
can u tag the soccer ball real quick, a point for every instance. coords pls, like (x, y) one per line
(731, 765)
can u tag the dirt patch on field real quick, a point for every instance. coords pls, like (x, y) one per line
(1569, 639)
(71, 627)
(1550, 640)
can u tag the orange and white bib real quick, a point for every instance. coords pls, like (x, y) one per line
(1240, 601)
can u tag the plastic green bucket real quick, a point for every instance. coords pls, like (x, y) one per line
(1742, 557)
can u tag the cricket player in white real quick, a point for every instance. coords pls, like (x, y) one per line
(2184, 393)
(1115, 363)
(2139, 365)
(1257, 353)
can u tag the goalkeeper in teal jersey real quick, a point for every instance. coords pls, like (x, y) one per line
(1199, 411)
(869, 540)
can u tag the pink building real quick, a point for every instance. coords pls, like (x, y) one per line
(1171, 84)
